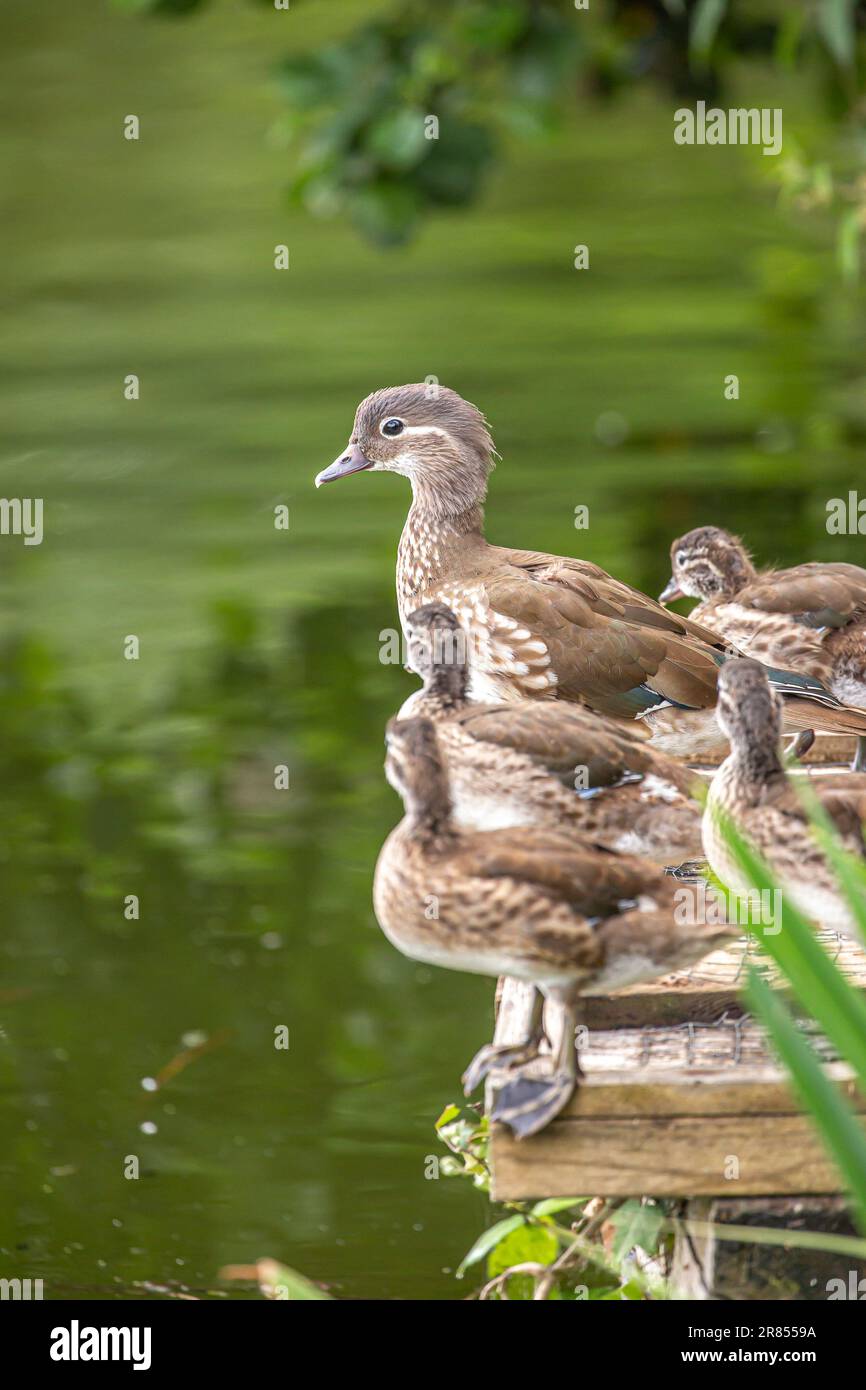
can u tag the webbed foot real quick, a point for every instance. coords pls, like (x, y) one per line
(498, 1055)
(859, 763)
(528, 1103)
(691, 871)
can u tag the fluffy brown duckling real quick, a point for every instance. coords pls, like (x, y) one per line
(543, 626)
(531, 762)
(752, 789)
(810, 618)
(537, 904)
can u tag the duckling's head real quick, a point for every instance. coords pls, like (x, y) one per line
(414, 769)
(707, 563)
(438, 650)
(749, 711)
(438, 441)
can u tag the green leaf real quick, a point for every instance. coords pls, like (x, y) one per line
(491, 26)
(385, 211)
(636, 1223)
(839, 1127)
(452, 171)
(529, 1244)
(488, 1240)
(448, 1114)
(307, 81)
(631, 1291)
(551, 1205)
(835, 22)
(706, 18)
(397, 139)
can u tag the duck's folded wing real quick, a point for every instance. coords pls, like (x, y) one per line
(561, 737)
(775, 638)
(816, 594)
(847, 811)
(610, 594)
(602, 657)
(595, 881)
(845, 806)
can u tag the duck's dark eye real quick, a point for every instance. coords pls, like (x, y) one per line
(392, 427)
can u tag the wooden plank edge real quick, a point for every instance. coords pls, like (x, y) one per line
(742, 1156)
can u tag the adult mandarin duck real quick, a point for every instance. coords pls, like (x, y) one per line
(544, 626)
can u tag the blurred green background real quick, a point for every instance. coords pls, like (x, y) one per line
(260, 647)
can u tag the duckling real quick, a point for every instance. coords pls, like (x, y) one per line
(537, 904)
(544, 626)
(811, 618)
(529, 762)
(752, 789)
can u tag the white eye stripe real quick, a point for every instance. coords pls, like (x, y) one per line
(412, 429)
(426, 429)
(407, 460)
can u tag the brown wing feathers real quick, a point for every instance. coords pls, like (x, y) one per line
(820, 595)
(558, 863)
(597, 651)
(604, 593)
(562, 736)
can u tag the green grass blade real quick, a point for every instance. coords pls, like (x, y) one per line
(839, 1127)
(817, 983)
(784, 1236)
(850, 872)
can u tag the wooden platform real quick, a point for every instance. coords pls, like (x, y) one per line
(681, 1098)
(710, 989)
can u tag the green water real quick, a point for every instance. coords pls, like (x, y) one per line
(260, 647)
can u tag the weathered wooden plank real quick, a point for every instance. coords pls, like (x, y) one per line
(711, 988)
(672, 1094)
(666, 1157)
(722, 1069)
(683, 1111)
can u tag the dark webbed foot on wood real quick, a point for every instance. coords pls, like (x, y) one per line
(495, 1055)
(692, 871)
(508, 1055)
(859, 763)
(528, 1103)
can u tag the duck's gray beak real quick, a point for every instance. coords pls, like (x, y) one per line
(352, 461)
(671, 591)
